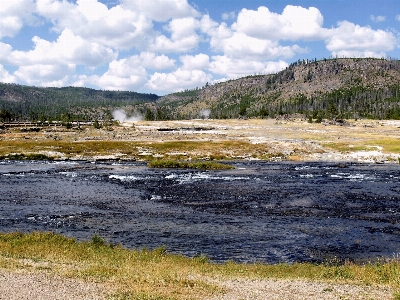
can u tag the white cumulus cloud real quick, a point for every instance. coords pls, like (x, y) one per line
(117, 27)
(13, 15)
(294, 23)
(352, 40)
(45, 75)
(177, 80)
(183, 36)
(6, 77)
(236, 67)
(153, 61)
(195, 62)
(161, 10)
(123, 74)
(67, 49)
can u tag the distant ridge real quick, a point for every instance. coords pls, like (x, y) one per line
(329, 88)
(339, 88)
(66, 103)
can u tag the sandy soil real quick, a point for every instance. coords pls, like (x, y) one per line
(298, 290)
(17, 285)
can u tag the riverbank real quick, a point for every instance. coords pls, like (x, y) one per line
(49, 266)
(272, 140)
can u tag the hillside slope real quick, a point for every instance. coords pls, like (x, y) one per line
(331, 88)
(75, 103)
(335, 88)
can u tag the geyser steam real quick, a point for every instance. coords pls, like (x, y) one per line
(121, 116)
(205, 113)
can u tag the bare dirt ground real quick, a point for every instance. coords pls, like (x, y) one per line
(298, 290)
(18, 285)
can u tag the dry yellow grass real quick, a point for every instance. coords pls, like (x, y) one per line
(144, 274)
(208, 140)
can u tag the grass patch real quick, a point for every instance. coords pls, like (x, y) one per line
(156, 274)
(345, 147)
(389, 145)
(201, 165)
(196, 150)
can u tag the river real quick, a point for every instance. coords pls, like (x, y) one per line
(259, 212)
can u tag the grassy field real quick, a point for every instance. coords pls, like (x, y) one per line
(155, 274)
(215, 140)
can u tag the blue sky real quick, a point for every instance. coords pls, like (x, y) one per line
(163, 46)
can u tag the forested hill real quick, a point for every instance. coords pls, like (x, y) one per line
(330, 88)
(67, 103)
(344, 88)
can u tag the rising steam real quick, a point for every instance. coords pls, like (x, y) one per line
(121, 116)
(205, 113)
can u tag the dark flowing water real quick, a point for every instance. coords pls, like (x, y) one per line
(268, 212)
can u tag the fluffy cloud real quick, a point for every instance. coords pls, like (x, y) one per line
(177, 80)
(67, 49)
(13, 14)
(352, 40)
(256, 34)
(123, 74)
(295, 23)
(161, 10)
(398, 17)
(5, 51)
(6, 77)
(241, 45)
(117, 27)
(195, 62)
(45, 75)
(234, 68)
(183, 36)
(152, 61)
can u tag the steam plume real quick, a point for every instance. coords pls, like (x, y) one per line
(120, 115)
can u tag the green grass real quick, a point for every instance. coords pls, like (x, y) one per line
(156, 274)
(195, 150)
(202, 165)
(389, 145)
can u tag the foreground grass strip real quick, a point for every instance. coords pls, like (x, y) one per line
(201, 165)
(155, 274)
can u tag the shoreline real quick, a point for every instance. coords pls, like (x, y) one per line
(219, 140)
(48, 271)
